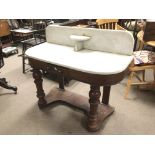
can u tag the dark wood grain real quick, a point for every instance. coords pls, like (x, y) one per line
(96, 112)
(40, 92)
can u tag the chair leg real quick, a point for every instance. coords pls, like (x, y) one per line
(4, 84)
(17, 51)
(143, 75)
(154, 74)
(128, 84)
(135, 44)
(23, 58)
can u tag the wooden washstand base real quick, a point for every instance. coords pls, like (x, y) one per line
(74, 100)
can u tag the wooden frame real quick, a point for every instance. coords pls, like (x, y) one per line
(97, 111)
(109, 24)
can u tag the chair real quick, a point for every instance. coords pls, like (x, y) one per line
(36, 40)
(5, 33)
(132, 25)
(109, 24)
(143, 60)
(6, 39)
(3, 82)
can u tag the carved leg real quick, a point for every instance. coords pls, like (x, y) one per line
(106, 94)
(3, 83)
(40, 92)
(94, 100)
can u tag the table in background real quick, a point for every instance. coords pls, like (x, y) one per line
(22, 34)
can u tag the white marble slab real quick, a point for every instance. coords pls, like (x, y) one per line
(89, 61)
(112, 41)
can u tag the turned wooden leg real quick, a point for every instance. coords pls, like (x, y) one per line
(106, 94)
(128, 84)
(40, 92)
(94, 100)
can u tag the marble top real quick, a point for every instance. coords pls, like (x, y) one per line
(89, 61)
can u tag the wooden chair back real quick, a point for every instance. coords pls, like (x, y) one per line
(4, 28)
(107, 23)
